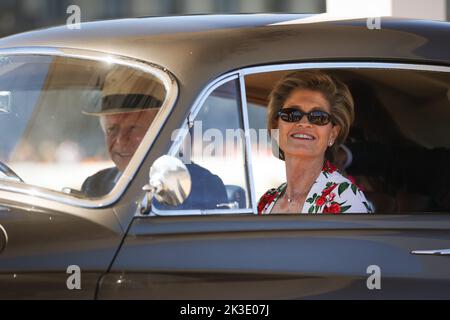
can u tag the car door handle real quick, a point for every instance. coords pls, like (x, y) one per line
(439, 252)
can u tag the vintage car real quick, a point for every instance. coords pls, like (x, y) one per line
(172, 213)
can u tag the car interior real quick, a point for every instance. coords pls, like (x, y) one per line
(399, 138)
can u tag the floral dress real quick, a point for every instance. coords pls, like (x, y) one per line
(331, 193)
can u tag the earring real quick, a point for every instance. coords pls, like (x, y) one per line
(330, 143)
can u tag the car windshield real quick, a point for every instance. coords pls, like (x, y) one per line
(71, 124)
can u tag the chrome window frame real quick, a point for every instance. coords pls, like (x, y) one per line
(240, 74)
(166, 78)
(195, 109)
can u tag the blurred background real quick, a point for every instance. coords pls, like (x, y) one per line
(22, 15)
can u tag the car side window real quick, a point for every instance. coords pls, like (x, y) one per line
(213, 151)
(72, 125)
(397, 148)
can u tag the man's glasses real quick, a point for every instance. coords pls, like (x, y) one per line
(317, 117)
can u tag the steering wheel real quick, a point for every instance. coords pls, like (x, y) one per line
(9, 172)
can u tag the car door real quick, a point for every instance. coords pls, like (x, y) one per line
(51, 250)
(280, 257)
(232, 254)
(56, 239)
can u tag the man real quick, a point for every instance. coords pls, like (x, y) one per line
(129, 105)
(123, 134)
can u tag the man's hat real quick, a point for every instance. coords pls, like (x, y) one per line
(129, 90)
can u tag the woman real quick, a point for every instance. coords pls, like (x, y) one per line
(313, 113)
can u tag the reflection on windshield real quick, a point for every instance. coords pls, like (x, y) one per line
(51, 115)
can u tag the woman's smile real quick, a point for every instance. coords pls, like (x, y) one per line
(300, 135)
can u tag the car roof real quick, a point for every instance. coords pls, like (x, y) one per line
(200, 47)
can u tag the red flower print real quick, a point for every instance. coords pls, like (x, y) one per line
(331, 196)
(333, 208)
(328, 167)
(266, 199)
(353, 181)
(328, 190)
(321, 201)
(351, 178)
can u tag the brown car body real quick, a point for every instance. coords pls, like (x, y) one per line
(125, 255)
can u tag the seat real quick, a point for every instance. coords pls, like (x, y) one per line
(382, 202)
(402, 202)
(413, 202)
(236, 194)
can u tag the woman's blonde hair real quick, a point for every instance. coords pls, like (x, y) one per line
(335, 92)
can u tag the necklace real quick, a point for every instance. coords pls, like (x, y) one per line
(289, 199)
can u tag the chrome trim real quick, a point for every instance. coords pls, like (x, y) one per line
(248, 144)
(3, 230)
(437, 252)
(201, 98)
(271, 68)
(196, 212)
(204, 94)
(342, 65)
(161, 73)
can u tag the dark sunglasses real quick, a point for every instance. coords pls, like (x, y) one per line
(317, 117)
